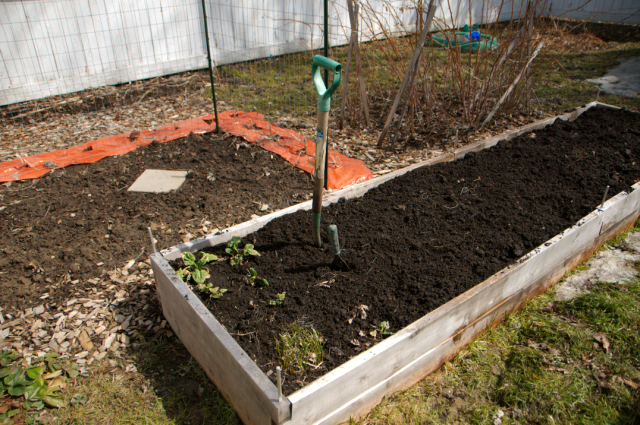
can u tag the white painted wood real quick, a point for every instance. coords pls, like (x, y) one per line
(54, 47)
(622, 11)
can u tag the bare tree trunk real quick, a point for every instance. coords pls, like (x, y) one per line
(353, 17)
(411, 71)
(345, 85)
(511, 87)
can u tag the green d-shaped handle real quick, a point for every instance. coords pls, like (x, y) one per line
(324, 95)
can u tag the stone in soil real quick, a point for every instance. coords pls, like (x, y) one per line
(612, 265)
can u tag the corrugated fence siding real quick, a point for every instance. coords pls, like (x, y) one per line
(51, 47)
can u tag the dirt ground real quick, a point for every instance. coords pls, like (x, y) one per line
(422, 239)
(80, 222)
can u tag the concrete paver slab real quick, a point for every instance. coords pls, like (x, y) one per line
(623, 80)
(158, 181)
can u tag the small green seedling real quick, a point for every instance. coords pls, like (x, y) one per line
(194, 268)
(383, 328)
(215, 292)
(279, 299)
(253, 278)
(238, 255)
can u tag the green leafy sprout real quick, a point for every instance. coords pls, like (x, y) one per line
(215, 292)
(299, 347)
(194, 268)
(383, 329)
(253, 278)
(238, 255)
(35, 386)
(279, 299)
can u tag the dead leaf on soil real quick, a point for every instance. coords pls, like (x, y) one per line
(9, 405)
(601, 377)
(360, 310)
(327, 284)
(355, 342)
(559, 370)
(579, 325)
(554, 351)
(85, 341)
(601, 337)
(536, 346)
(633, 383)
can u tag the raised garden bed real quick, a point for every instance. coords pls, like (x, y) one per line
(448, 240)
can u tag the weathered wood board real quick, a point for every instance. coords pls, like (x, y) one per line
(237, 377)
(404, 358)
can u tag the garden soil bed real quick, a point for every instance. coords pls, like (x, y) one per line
(422, 239)
(79, 222)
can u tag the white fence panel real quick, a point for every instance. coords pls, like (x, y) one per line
(52, 47)
(620, 11)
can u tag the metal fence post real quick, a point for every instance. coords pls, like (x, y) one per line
(213, 89)
(326, 82)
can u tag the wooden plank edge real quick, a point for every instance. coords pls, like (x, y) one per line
(360, 189)
(448, 349)
(174, 294)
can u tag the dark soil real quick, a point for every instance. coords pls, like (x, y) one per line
(422, 239)
(64, 224)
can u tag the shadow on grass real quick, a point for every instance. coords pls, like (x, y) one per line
(187, 393)
(169, 387)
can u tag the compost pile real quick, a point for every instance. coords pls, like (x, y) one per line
(420, 240)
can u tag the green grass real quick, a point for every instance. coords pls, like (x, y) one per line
(168, 388)
(283, 85)
(299, 347)
(564, 86)
(537, 368)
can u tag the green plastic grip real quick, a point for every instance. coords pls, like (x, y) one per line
(324, 95)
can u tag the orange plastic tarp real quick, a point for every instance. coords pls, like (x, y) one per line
(251, 126)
